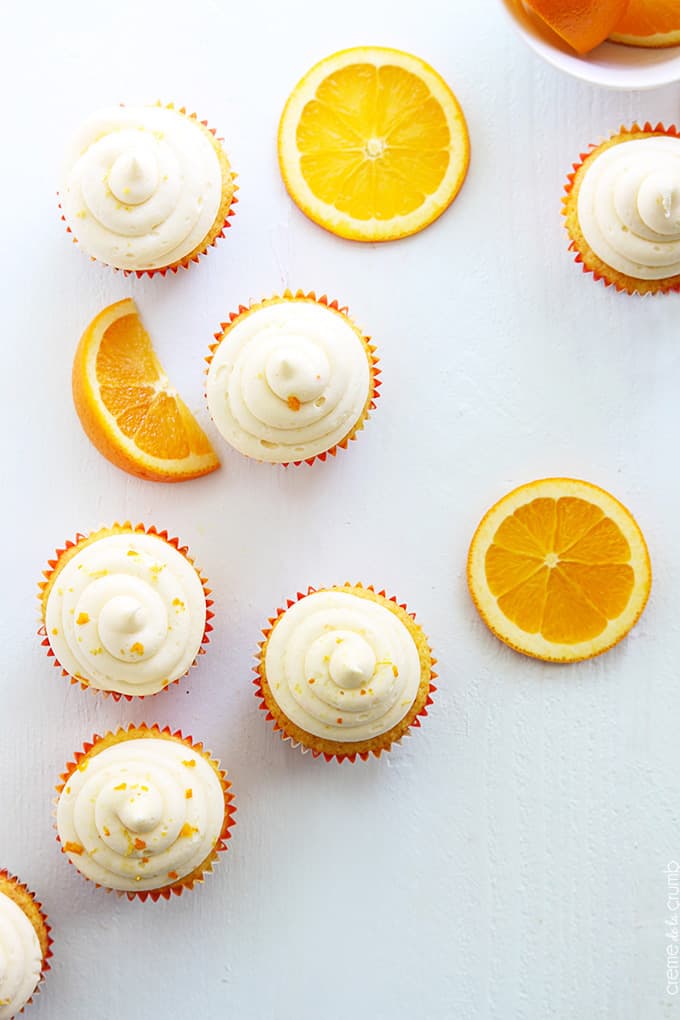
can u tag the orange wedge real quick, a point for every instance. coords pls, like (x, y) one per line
(652, 23)
(559, 570)
(373, 144)
(127, 406)
(583, 24)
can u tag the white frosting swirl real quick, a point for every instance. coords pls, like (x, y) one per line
(341, 666)
(141, 814)
(21, 958)
(143, 186)
(629, 207)
(126, 614)
(288, 381)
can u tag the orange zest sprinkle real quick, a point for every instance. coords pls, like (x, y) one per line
(74, 848)
(188, 794)
(338, 721)
(137, 648)
(144, 860)
(395, 670)
(362, 691)
(190, 764)
(294, 403)
(311, 680)
(187, 830)
(106, 830)
(82, 618)
(121, 786)
(173, 874)
(140, 844)
(132, 552)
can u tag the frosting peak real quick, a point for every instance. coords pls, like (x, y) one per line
(133, 178)
(352, 663)
(126, 613)
(629, 206)
(297, 370)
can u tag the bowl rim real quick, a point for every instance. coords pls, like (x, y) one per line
(630, 68)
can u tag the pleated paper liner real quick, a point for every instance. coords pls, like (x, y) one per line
(26, 900)
(133, 732)
(62, 556)
(584, 255)
(301, 295)
(224, 214)
(338, 750)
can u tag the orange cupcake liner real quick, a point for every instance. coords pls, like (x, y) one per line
(47, 954)
(672, 132)
(72, 544)
(197, 877)
(186, 262)
(279, 728)
(301, 295)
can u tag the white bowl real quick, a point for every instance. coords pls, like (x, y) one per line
(611, 64)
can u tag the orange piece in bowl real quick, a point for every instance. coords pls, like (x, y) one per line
(582, 24)
(652, 23)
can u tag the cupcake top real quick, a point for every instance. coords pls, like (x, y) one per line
(290, 379)
(142, 186)
(629, 206)
(21, 958)
(341, 666)
(141, 813)
(126, 613)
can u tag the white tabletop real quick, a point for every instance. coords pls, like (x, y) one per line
(507, 861)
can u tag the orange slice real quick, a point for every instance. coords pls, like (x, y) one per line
(373, 144)
(127, 406)
(649, 23)
(583, 24)
(559, 570)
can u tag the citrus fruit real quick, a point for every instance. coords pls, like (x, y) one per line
(373, 144)
(127, 406)
(649, 23)
(559, 570)
(583, 24)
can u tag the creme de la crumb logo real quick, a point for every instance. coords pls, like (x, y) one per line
(672, 927)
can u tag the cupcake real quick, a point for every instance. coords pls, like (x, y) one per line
(124, 611)
(291, 379)
(25, 946)
(146, 188)
(622, 210)
(144, 812)
(344, 671)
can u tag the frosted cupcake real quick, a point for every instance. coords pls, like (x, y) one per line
(124, 611)
(291, 379)
(146, 188)
(144, 812)
(344, 671)
(622, 210)
(25, 946)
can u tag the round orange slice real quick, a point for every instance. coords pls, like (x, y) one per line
(559, 570)
(652, 23)
(373, 144)
(127, 406)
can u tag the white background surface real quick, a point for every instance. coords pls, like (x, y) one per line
(507, 861)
